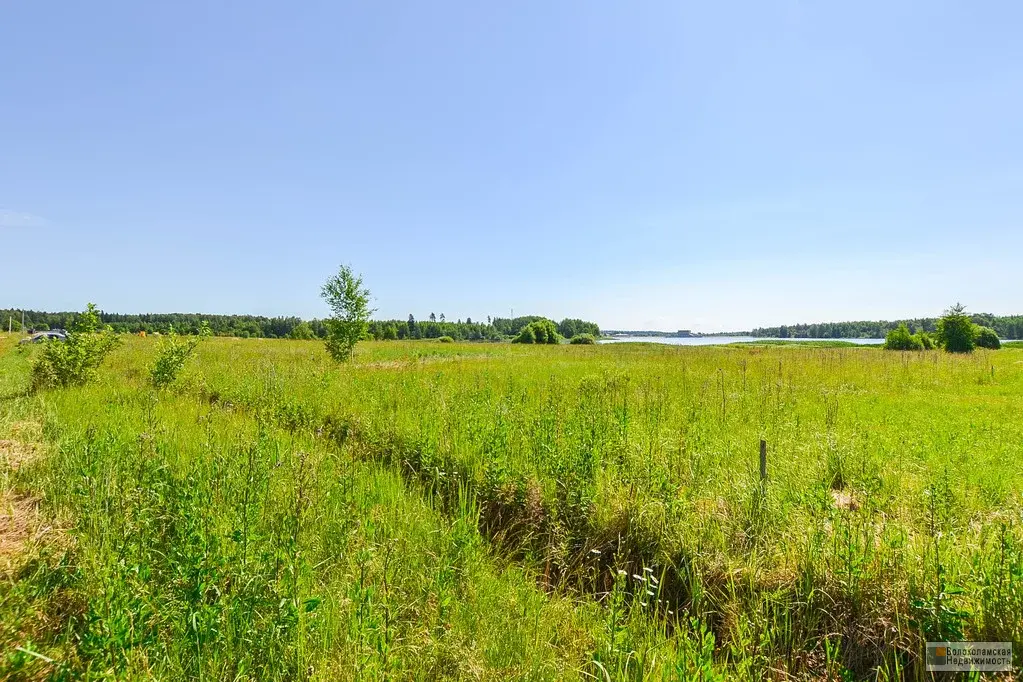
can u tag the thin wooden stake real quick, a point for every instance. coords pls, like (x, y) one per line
(763, 459)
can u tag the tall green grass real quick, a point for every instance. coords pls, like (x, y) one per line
(464, 511)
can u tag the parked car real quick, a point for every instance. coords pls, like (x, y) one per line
(39, 337)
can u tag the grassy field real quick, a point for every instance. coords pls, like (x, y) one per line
(490, 511)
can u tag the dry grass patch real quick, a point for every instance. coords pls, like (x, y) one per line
(16, 454)
(19, 526)
(845, 500)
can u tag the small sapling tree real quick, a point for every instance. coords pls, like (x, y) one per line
(349, 307)
(172, 354)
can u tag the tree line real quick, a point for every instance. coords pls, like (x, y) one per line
(1007, 327)
(255, 326)
(183, 323)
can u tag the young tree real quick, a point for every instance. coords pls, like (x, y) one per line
(955, 330)
(172, 354)
(433, 318)
(74, 361)
(350, 311)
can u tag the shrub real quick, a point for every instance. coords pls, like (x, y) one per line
(583, 339)
(955, 331)
(446, 339)
(539, 331)
(527, 335)
(172, 353)
(74, 361)
(900, 338)
(542, 333)
(985, 337)
(302, 331)
(926, 340)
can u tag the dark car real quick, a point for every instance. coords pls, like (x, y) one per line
(39, 337)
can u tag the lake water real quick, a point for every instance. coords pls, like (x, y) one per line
(718, 340)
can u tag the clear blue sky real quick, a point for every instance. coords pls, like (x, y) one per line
(711, 165)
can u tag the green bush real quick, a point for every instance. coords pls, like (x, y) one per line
(985, 337)
(527, 335)
(172, 353)
(926, 340)
(302, 331)
(900, 338)
(74, 361)
(955, 331)
(446, 339)
(583, 339)
(539, 331)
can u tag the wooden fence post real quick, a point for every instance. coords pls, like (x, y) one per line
(763, 459)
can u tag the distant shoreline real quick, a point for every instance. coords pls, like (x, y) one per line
(740, 340)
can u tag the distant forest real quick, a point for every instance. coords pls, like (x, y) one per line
(1007, 327)
(434, 326)
(253, 326)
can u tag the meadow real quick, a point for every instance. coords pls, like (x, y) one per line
(493, 511)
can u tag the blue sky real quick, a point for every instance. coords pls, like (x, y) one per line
(645, 165)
